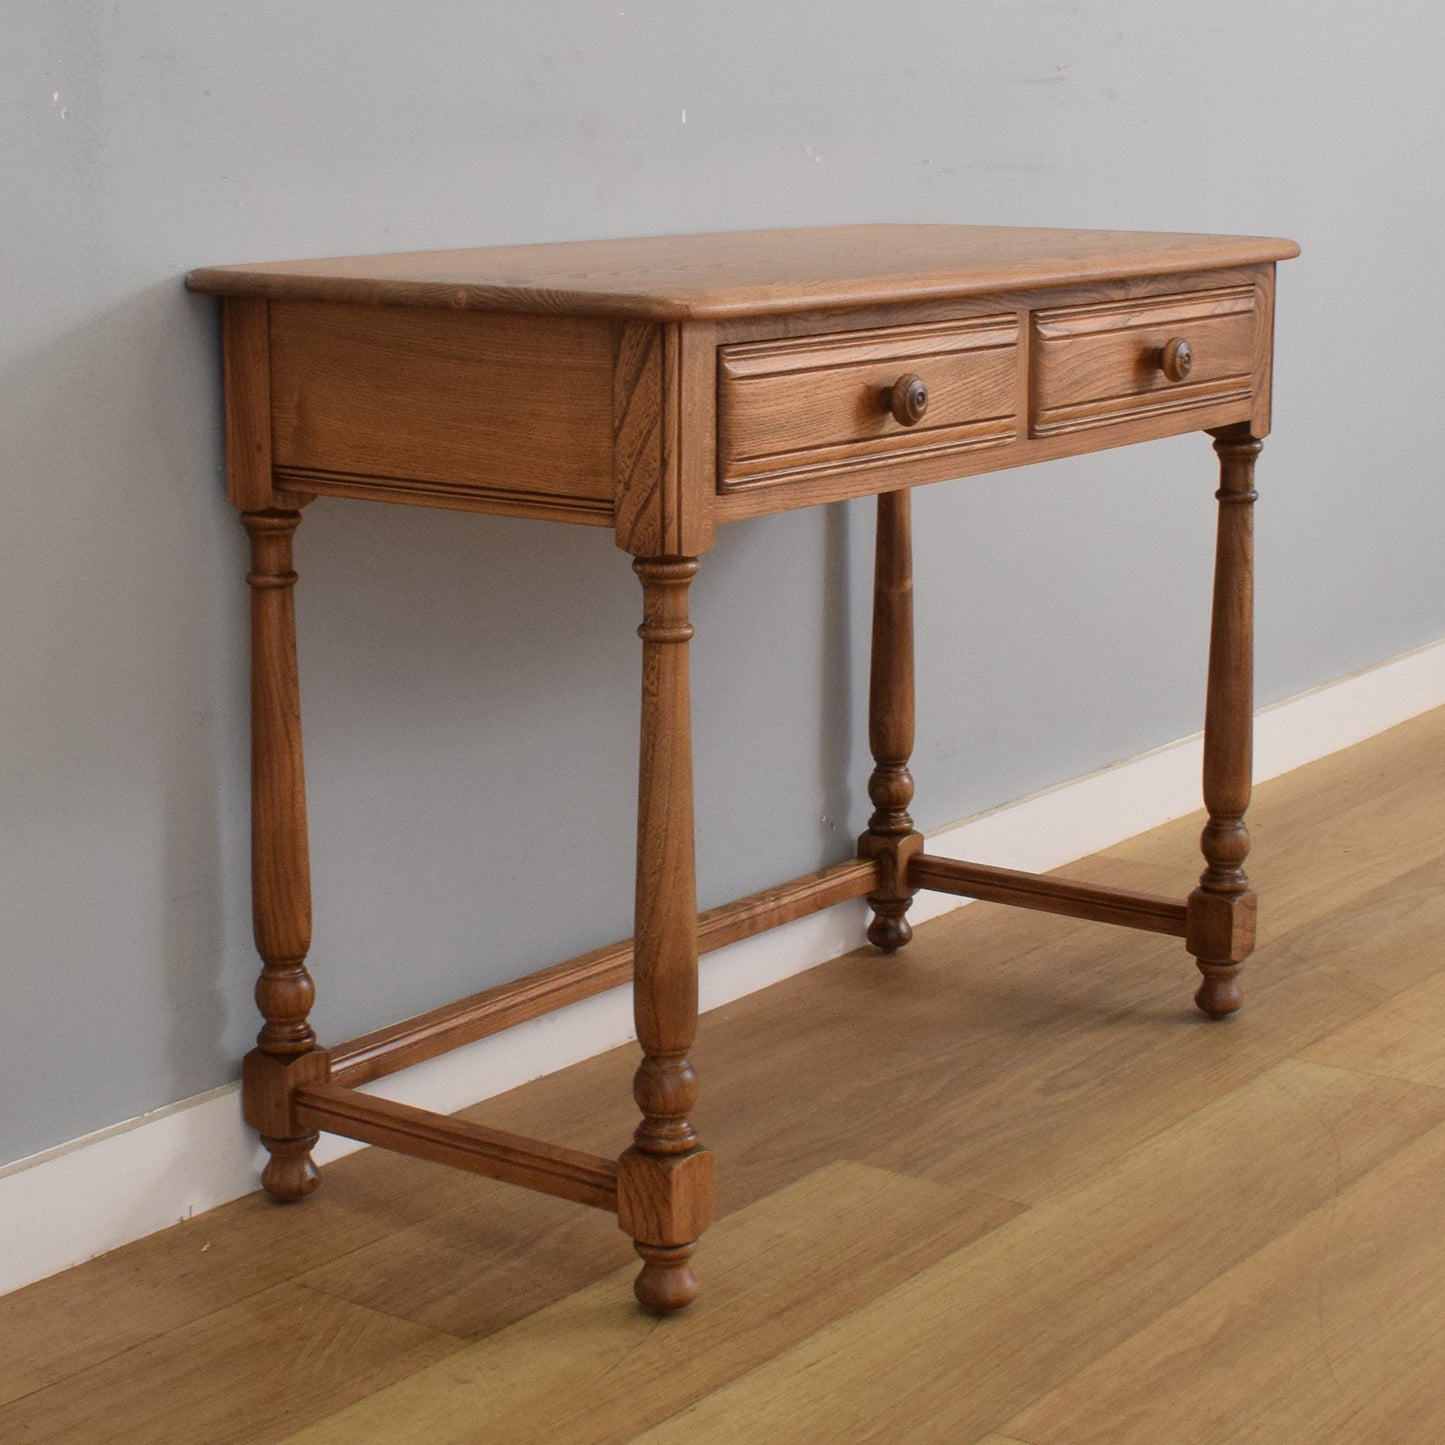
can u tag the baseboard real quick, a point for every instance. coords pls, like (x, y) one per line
(95, 1193)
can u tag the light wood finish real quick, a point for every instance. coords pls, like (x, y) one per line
(161, 1286)
(779, 1278)
(511, 413)
(1401, 1039)
(891, 840)
(511, 1158)
(661, 387)
(246, 366)
(1112, 361)
(374, 1055)
(973, 1339)
(661, 426)
(252, 1371)
(1222, 909)
(1148, 911)
(808, 406)
(285, 1052)
(1201, 1165)
(665, 1187)
(741, 273)
(1348, 1351)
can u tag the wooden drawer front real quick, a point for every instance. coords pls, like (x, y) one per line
(1099, 364)
(818, 405)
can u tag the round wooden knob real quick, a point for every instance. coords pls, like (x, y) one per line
(908, 400)
(1176, 361)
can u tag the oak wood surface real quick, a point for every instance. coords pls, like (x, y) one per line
(641, 417)
(305, 1355)
(246, 367)
(849, 470)
(509, 413)
(1347, 1352)
(968, 1342)
(280, 863)
(502, 407)
(778, 1278)
(511, 1158)
(665, 1183)
(787, 405)
(1221, 923)
(1074, 1090)
(1402, 1038)
(1107, 361)
(891, 840)
(741, 272)
(1148, 911)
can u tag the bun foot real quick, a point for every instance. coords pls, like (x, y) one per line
(889, 929)
(1219, 994)
(290, 1174)
(666, 1281)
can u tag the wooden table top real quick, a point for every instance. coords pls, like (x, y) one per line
(741, 273)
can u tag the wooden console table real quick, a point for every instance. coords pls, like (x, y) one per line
(662, 388)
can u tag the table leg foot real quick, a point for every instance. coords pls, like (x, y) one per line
(1218, 995)
(666, 1281)
(289, 1173)
(889, 930)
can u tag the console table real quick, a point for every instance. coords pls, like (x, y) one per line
(663, 388)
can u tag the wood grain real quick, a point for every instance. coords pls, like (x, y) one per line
(510, 1158)
(1102, 362)
(1221, 920)
(246, 366)
(940, 1356)
(1348, 1351)
(1402, 1038)
(891, 841)
(838, 473)
(1073, 899)
(740, 272)
(168, 1281)
(491, 408)
(1058, 1069)
(787, 408)
(280, 864)
(665, 1182)
(255, 1370)
(784, 1266)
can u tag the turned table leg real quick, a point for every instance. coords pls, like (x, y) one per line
(891, 839)
(1222, 908)
(286, 1053)
(665, 1183)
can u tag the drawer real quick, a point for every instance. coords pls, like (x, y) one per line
(822, 406)
(1116, 361)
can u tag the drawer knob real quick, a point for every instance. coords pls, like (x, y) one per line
(908, 400)
(1176, 360)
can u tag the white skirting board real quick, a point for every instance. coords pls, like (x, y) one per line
(95, 1193)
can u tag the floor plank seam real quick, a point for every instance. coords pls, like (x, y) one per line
(462, 1340)
(1370, 1073)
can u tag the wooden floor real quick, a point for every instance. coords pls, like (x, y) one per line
(1007, 1186)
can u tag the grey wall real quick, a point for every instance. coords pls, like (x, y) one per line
(469, 683)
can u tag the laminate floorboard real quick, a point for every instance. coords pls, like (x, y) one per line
(1005, 1186)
